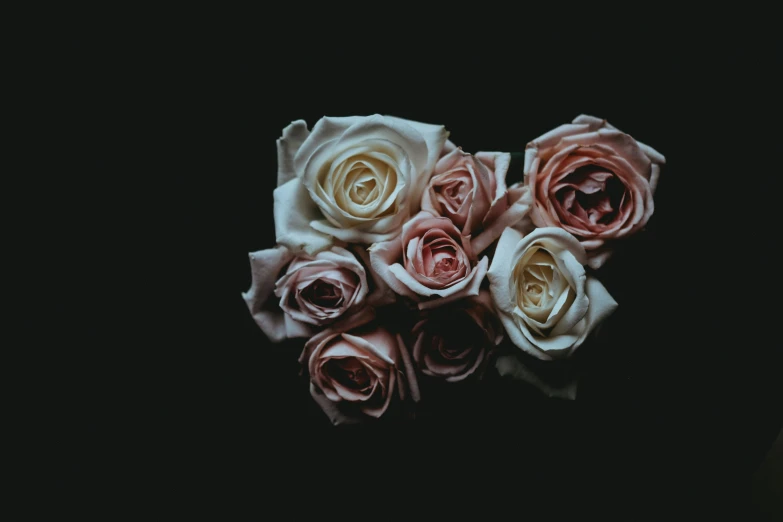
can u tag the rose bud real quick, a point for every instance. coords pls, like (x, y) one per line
(430, 262)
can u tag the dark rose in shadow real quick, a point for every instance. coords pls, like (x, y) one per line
(453, 342)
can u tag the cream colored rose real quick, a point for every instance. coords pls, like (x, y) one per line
(356, 179)
(546, 301)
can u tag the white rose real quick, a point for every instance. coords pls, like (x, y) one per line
(356, 179)
(546, 301)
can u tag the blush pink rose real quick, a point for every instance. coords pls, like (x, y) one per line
(454, 341)
(292, 295)
(592, 180)
(471, 191)
(355, 374)
(431, 262)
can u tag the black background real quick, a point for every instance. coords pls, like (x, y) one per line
(140, 377)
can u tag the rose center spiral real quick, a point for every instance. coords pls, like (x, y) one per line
(456, 191)
(350, 373)
(538, 281)
(592, 194)
(445, 261)
(364, 189)
(323, 294)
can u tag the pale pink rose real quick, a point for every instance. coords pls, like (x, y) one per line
(592, 180)
(355, 374)
(471, 191)
(291, 295)
(431, 262)
(454, 341)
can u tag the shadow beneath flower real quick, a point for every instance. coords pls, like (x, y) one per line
(554, 379)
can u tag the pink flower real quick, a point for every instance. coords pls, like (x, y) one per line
(471, 191)
(592, 180)
(453, 341)
(310, 291)
(355, 374)
(431, 262)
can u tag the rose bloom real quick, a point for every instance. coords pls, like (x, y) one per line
(355, 374)
(430, 262)
(357, 179)
(310, 291)
(545, 299)
(592, 180)
(471, 191)
(453, 341)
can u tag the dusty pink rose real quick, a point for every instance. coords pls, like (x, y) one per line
(471, 191)
(592, 180)
(431, 262)
(453, 341)
(355, 374)
(292, 295)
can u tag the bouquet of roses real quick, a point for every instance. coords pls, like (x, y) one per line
(400, 256)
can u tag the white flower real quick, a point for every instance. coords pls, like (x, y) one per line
(356, 179)
(545, 299)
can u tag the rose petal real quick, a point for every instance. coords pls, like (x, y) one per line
(326, 130)
(517, 202)
(447, 148)
(597, 258)
(435, 137)
(656, 157)
(472, 288)
(379, 292)
(624, 146)
(350, 235)
(553, 137)
(377, 411)
(382, 256)
(294, 210)
(287, 147)
(448, 161)
(499, 273)
(602, 305)
(408, 370)
(655, 172)
(265, 266)
(593, 123)
(378, 343)
(331, 409)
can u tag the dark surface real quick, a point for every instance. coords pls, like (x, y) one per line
(141, 377)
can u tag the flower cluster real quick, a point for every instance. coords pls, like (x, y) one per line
(401, 257)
